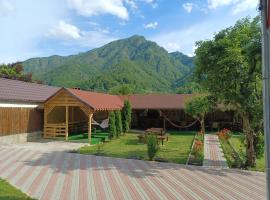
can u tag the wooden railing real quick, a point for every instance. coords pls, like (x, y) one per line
(54, 130)
(76, 127)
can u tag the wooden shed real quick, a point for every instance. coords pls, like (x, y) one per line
(72, 109)
(21, 110)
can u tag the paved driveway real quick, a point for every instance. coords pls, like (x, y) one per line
(47, 171)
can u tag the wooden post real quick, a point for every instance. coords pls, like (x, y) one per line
(45, 121)
(66, 122)
(164, 124)
(90, 127)
(72, 119)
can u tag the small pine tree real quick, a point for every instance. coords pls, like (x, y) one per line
(112, 128)
(126, 116)
(152, 146)
(118, 123)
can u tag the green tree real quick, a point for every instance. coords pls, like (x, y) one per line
(123, 89)
(229, 67)
(190, 87)
(198, 107)
(112, 127)
(118, 123)
(126, 116)
(15, 71)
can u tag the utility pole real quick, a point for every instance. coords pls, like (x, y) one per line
(265, 15)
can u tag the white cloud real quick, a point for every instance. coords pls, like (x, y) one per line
(188, 7)
(184, 39)
(152, 25)
(244, 5)
(172, 46)
(6, 8)
(148, 1)
(98, 7)
(238, 6)
(70, 35)
(213, 4)
(94, 39)
(153, 3)
(132, 4)
(65, 31)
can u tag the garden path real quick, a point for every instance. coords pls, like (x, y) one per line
(213, 154)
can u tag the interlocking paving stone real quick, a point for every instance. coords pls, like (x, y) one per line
(57, 174)
(213, 154)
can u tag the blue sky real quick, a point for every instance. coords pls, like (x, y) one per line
(35, 28)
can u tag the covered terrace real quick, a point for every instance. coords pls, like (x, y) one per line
(73, 110)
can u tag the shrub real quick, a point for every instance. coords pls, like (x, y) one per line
(126, 116)
(112, 128)
(118, 123)
(152, 146)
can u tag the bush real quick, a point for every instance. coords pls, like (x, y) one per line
(126, 116)
(112, 128)
(118, 123)
(152, 146)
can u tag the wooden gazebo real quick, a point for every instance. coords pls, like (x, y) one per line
(73, 110)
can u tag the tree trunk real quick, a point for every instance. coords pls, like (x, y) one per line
(250, 150)
(202, 125)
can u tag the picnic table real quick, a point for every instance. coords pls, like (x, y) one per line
(159, 132)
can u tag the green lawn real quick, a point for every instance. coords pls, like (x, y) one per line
(8, 192)
(236, 143)
(96, 137)
(176, 150)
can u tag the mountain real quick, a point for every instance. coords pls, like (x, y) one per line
(135, 61)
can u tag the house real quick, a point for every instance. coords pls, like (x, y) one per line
(28, 110)
(167, 111)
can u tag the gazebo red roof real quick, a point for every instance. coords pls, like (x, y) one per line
(98, 101)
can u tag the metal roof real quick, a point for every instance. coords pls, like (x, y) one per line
(159, 101)
(15, 90)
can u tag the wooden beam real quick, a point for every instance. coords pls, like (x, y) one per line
(45, 121)
(164, 123)
(90, 127)
(66, 122)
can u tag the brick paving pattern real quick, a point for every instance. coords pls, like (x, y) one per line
(213, 154)
(56, 174)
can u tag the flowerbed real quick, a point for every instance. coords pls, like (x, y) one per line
(197, 151)
(232, 157)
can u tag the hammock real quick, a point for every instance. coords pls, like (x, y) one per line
(104, 124)
(178, 126)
